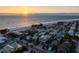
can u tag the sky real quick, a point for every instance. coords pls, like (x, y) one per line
(38, 9)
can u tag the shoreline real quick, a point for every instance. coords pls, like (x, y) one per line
(44, 23)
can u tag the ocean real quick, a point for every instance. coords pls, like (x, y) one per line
(14, 21)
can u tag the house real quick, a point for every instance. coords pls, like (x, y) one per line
(44, 38)
(11, 47)
(61, 34)
(3, 41)
(77, 34)
(71, 32)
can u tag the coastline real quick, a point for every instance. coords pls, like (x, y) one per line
(44, 23)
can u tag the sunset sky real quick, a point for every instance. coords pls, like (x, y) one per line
(37, 9)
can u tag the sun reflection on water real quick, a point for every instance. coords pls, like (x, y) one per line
(25, 21)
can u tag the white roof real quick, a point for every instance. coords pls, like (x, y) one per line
(71, 32)
(1, 39)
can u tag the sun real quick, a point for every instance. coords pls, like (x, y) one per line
(25, 12)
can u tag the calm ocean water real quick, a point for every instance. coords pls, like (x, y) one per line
(21, 21)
